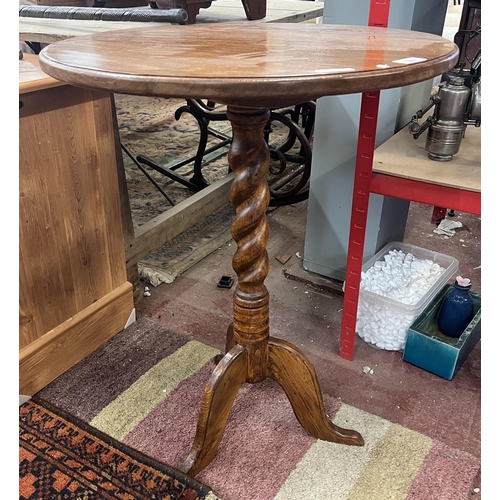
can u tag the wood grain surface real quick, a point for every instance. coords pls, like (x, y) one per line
(250, 64)
(70, 237)
(74, 293)
(403, 156)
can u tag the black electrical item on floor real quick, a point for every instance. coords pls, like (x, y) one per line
(225, 282)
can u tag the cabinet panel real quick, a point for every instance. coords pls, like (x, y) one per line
(71, 247)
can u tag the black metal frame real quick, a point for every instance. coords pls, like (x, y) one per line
(286, 189)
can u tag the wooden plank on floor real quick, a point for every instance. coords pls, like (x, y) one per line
(152, 235)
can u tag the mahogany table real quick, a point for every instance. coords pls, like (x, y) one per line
(251, 68)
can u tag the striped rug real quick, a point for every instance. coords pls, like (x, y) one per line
(144, 387)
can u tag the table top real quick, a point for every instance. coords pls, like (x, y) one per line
(255, 65)
(43, 30)
(403, 156)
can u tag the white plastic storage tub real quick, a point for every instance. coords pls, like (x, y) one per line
(383, 321)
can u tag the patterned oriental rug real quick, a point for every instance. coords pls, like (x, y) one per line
(144, 386)
(148, 126)
(62, 457)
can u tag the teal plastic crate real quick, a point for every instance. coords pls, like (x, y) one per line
(427, 348)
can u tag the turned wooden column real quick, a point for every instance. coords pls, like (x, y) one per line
(249, 160)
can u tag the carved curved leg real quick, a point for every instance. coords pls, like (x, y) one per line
(230, 342)
(296, 375)
(218, 398)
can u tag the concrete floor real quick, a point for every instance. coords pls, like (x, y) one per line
(307, 313)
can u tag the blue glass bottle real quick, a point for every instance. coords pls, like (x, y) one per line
(456, 309)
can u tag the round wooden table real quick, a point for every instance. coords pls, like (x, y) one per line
(251, 68)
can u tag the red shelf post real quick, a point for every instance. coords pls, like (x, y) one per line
(379, 17)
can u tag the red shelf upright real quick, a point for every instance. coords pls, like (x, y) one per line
(378, 17)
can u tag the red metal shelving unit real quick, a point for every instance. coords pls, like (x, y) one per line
(366, 181)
